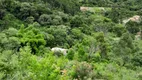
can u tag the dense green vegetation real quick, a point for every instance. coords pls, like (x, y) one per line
(100, 46)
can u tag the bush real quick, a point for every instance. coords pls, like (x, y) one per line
(45, 19)
(80, 70)
(70, 54)
(32, 37)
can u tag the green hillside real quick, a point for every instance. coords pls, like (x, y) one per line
(70, 40)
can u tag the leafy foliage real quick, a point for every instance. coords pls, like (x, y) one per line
(100, 46)
(33, 38)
